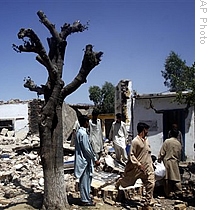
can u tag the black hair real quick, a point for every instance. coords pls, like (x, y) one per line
(119, 115)
(82, 120)
(141, 126)
(95, 112)
(154, 158)
(174, 133)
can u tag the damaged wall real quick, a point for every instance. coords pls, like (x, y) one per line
(160, 121)
(159, 111)
(17, 114)
(123, 101)
(22, 116)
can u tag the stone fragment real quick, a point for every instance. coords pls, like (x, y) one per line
(41, 181)
(26, 141)
(18, 166)
(180, 206)
(110, 202)
(178, 202)
(32, 156)
(4, 201)
(11, 134)
(109, 192)
(4, 131)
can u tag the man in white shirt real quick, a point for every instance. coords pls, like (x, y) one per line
(118, 134)
(95, 132)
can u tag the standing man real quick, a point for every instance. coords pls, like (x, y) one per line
(170, 153)
(84, 159)
(74, 133)
(140, 164)
(95, 132)
(118, 134)
(179, 137)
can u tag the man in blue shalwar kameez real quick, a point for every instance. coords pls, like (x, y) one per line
(84, 162)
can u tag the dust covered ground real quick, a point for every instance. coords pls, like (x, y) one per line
(22, 186)
(164, 204)
(33, 201)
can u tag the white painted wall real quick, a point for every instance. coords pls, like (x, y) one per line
(18, 113)
(190, 137)
(143, 112)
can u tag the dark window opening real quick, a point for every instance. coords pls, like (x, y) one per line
(8, 124)
(108, 125)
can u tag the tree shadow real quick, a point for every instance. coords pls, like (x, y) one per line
(129, 204)
(73, 201)
(34, 199)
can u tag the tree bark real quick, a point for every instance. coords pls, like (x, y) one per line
(52, 161)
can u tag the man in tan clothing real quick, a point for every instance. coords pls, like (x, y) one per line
(140, 164)
(170, 153)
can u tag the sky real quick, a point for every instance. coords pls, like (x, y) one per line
(135, 36)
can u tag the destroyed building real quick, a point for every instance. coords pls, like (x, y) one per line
(159, 111)
(18, 126)
(20, 118)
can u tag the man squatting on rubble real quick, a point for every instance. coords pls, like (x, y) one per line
(170, 153)
(95, 133)
(84, 162)
(118, 134)
(140, 164)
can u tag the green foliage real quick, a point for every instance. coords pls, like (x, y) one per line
(95, 95)
(103, 98)
(188, 84)
(179, 77)
(173, 71)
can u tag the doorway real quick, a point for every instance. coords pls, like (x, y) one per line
(108, 125)
(174, 116)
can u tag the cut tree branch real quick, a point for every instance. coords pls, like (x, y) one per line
(90, 60)
(34, 45)
(68, 29)
(49, 25)
(29, 83)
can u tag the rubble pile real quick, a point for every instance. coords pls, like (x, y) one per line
(21, 172)
(21, 175)
(188, 182)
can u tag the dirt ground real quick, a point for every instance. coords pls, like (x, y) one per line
(33, 202)
(165, 204)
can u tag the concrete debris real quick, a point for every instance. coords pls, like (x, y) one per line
(21, 174)
(113, 164)
(4, 131)
(180, 206)
(109, 192)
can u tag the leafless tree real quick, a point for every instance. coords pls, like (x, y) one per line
(55, 92)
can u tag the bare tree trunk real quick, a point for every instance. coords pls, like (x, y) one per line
(52, 162)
